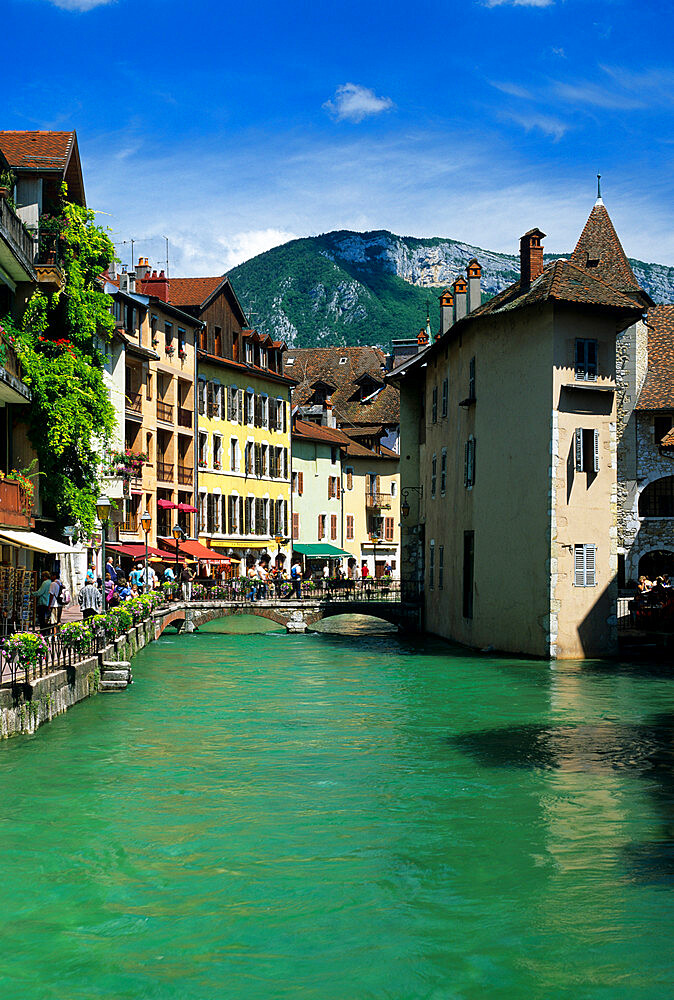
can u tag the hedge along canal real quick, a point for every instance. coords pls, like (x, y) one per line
(29, 704)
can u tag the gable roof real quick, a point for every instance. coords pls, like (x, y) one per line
(657, 392)
(308, 431)
(343, 367)
(46, 152)
(599, 252)
(195, 293)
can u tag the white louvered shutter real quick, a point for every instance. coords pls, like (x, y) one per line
(590, 566)
(579, 449)
(596, 451)
(579, 567)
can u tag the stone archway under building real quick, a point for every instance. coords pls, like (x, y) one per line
(657, 562)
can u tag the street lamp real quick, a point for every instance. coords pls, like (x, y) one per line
(146, 524)
(103, 506)
(404, 506)
(177, 533)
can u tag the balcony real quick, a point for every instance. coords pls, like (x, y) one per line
(17, 249)
(14, 510)
(164, 411)
(378, 501)
(165, 472)
(185, 475)
(184, 417)
(134, 402)
(130, 523)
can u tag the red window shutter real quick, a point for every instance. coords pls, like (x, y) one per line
(329, 487)
(333, 527)
(339, 487)
(349, 479)
(296, 526)
(300, 483)
(318, 533)
(388, 529)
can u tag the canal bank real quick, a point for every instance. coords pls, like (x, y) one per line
(327, 815)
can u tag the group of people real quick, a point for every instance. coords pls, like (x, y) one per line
(654, 601)
(52, 597)
(265, 579)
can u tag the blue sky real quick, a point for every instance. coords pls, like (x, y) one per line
(233, 127)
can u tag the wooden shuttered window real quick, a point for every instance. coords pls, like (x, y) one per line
(349, 527)
(296, 526)
(321, 527)
(210, 513)
(469, 463)
(258, 460)
(349, 479)
(388, 529)
(333, 527)
(272, 415)
(201, 397)
(259, 514)
(585, 565)
(210, 399)
(300, 483)
(330, 485)
(272, 519)
(283, 412)
(247, 521)
(338, 487)
(231, 514)
(586, 447)
(284, 473)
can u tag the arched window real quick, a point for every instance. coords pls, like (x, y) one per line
(657, 500)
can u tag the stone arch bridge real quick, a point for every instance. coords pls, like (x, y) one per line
(293, 615)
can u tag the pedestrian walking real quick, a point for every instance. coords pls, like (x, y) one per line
(186, 578)
(42, 608)
(89, 600)
(296, 579)
(109, 568)
(55, 600)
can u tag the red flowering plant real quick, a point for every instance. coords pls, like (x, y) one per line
(126, 464)
(170, 350)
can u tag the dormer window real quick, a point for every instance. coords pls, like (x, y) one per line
(263, 357)
(290, 362)
(249, 353)
(343, 361)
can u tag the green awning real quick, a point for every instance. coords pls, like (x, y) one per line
(320, 550)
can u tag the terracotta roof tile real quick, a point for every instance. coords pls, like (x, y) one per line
(341, 367)
(37, 150)
(305, 429)
(356, 450)
(599, 252)
(192, 291)
(657, 392)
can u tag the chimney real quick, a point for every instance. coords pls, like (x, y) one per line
(474, 272)
(446, 311)
(155, 284)
(460, 287)
(127, 281)
(531, 258)
(143, 268)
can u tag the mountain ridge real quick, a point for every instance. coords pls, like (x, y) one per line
(347, 287)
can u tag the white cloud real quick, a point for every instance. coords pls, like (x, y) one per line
(518, 3)
(513, 90)
(80, 5)
(597, 96)
(546, 124)
(353, 103)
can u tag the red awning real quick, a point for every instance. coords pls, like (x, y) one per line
(187, 508)
(134, 549)
(194, 549)
(167, 505)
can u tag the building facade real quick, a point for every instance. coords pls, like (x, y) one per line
(516, 495)
(243, 433)
(318, 491)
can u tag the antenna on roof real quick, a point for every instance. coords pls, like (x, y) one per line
(167, 255)
(599, 198)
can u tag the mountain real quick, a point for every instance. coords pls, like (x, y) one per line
(372, 288)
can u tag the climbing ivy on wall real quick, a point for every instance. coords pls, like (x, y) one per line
(71, 415)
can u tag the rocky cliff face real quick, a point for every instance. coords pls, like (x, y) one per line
(371, 288)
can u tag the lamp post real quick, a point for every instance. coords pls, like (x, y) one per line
(146, 524)
(405, 506)
(103, 506)
(178, 533)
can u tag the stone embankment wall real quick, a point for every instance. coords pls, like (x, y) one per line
(29, 705)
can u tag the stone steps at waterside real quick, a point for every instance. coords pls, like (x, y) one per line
(115, 675)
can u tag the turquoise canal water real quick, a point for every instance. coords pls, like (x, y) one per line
(343, 816)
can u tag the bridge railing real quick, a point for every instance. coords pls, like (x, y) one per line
(242, 590)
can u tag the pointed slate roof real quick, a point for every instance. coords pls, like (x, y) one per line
(599, 252)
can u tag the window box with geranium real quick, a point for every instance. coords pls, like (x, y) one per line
(126, 464)
(182, 353)
(170, 350)
(217, 464)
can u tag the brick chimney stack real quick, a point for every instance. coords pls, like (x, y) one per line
(460, 287)
(474, 272)
(154, 284)
(142, 269)
(531, 258)
(446, 311)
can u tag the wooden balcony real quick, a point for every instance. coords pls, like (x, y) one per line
(134, 402)
(17, 248)
(184, 417)
(164, 411)
(130, 523)
(165, 472)
(377, 501)
(185, 475)
(14, 510)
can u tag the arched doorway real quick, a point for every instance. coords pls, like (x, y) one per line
(657, 562)
(657, 499)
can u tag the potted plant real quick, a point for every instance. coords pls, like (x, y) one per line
(170, 350)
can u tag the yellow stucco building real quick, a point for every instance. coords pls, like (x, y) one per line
(243, 449)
